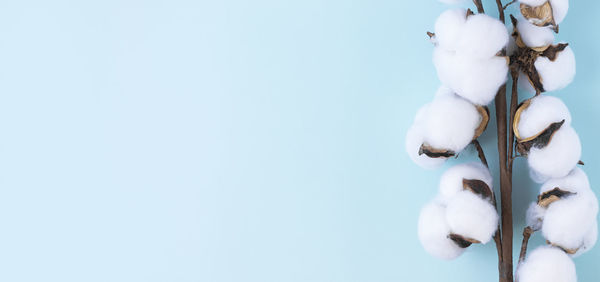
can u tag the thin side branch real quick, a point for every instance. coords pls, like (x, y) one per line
(526, 234)
(508, 4)
(501, 10)
(479, 6)
(480, 152)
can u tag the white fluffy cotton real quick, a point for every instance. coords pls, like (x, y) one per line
(533, 35)
(559, 7)
(451, 181)
(450, 123)
(547, 264)
(482, 37)
(476, 80)
(568, 221)
(542, 111)
(433, 232)
(571, 221)
(535, 216)
(575, 182)
(588, 241)
(465, 55)
(559, 73)
(448, 28)
(559, 157)
(471, 216)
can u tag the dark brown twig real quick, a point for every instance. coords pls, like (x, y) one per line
(526, 234)
(508, 4)
(506, 269)
(480, 152)
(500, 10)
(479, 6)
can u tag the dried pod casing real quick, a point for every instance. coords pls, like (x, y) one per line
(551, 196)
(484, 112)
(540, 15)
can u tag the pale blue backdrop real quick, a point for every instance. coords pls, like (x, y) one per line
(234, 140)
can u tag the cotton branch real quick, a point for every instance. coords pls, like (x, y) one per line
(479, 6)
(526, 234)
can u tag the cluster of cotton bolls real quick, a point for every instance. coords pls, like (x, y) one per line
(544, 134)
(461, 214)
(466, 54)
(552, 66)
(566, 213)
(443, 128)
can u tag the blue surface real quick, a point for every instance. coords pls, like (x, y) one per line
(234, 140)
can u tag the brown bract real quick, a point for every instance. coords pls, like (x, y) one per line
(541, 140)
(478, 187)
(540, 15)
(524, 58)
(435, 153)
(484, 112)
(551, 196)
(462, 241)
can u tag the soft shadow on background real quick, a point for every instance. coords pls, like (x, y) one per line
(235, 140)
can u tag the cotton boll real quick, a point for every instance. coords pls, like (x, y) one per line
(533, 3)
(547, 264)
(482, 37)
(559, 157)
(533, 35)
(451, 181)
(575, 182)
(511, 46)
(471, 216)
(451, 123)
(542, 111)
(476, 80)
(414, 140)
(535, 215)
(433, 232)
(559, 73)
(559, 9)
(448, 28)
(568, 220)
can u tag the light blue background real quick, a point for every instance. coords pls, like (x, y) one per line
(234, 140)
